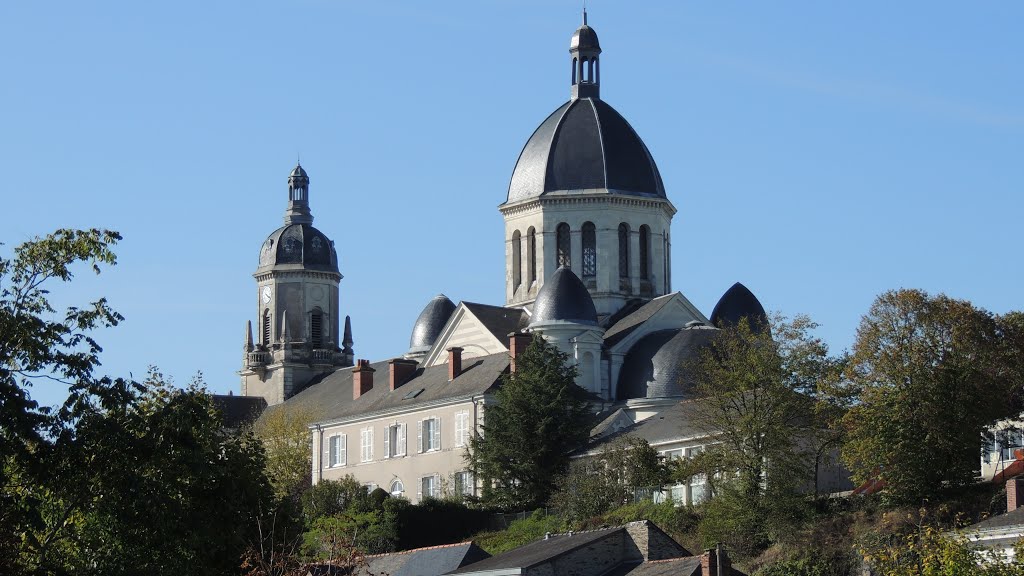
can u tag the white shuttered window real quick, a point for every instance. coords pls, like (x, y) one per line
(366, 445)
(430, 434)
(461, 429)
(336, 452)
(394, 440)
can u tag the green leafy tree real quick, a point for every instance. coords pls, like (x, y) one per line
(926, 377)
(539, 418)
(758, 390)
(284, 432)
(595, 485)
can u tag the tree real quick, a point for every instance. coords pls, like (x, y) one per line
(151, 485)
(757, 391)
(284, 431)
(594, 485)
(927, 375)
(539, 417)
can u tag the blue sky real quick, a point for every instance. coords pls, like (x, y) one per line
(820, 153)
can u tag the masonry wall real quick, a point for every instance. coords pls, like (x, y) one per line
(409, 468)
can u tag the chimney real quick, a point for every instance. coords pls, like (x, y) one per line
(399, 371)
(454, 362)
(715, 562)
(1014, 493)
(362, 378)
(517, 342)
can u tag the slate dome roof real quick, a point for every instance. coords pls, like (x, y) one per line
(298, 172)
(585, 144)
(585, 38)
(299, 244)
(657, 365)
(564, 298)
(739, 302)
(430, 322)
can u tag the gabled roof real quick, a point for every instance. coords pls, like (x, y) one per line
(688, 566)
(239, 410)
(540, 551)
(672, 423)
(1013, 518)
(331, 395)
(430, 561)
(664, 312)
(622, 328)
(480, 329)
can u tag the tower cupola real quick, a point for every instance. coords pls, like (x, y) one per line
(298, 198)
(585, 51)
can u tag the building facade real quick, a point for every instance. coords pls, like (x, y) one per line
(587, 232)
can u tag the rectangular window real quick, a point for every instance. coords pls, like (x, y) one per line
(394, 440)
(461, 429)
(698, 491)
(337, 453)
(464, 483)
(428, 487)
(670, 455)
(430, 434)
(366, 445)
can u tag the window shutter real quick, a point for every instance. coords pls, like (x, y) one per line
(325, 457)
(437, 433)
(344, 449)
(419, 493)
(419, 440)
(369, 432)
(387, 441)
(400, 449)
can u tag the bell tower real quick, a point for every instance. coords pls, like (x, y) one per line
(297, 306)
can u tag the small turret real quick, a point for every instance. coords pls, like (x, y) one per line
(586, 67)
(248, 336)
(348, 355)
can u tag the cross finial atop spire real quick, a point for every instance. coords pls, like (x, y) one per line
(584, 12)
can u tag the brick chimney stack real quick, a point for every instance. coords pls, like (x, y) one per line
(362, 378)
(715, 562)
(454, 362)
(1014, 493)
(517, 342)
(399, 372)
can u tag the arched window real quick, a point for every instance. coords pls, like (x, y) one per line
(316, 328)
(397, 488)
(531, 255)
(562, 243)
(590, 71)
(589, 250)
(623, 250)
(266, 327)
(645, 252)
(574, 71)
(517, 260)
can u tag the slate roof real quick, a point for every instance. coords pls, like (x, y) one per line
(659, 364)
(499, 320)
(585, 145)
(539, 551)
(239, 410)
(300, 244)
(1010, 519)
(671, 423)
(429, 561)
(625, 325)
(739, 302)
(430, 322)
(564, 298)
(331, 395)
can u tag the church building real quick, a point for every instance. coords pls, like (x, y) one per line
(587, 233)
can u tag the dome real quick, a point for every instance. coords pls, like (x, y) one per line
(430, 322)
(298, 172)
(585, 38)
(299, 244)
(585, 145)
(564, 298)
(657, 366)
(738, 302)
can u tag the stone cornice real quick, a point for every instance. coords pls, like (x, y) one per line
(263, 275)
(567, 199)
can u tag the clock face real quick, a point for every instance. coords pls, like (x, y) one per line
(266, 294)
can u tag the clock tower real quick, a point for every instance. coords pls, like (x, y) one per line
(298, 314)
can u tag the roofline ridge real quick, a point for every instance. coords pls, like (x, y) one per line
(435, 547)
(600, 139)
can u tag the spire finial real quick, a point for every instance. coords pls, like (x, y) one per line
(584, 12)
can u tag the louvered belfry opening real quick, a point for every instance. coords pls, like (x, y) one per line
(266, 327)
(316, 327)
